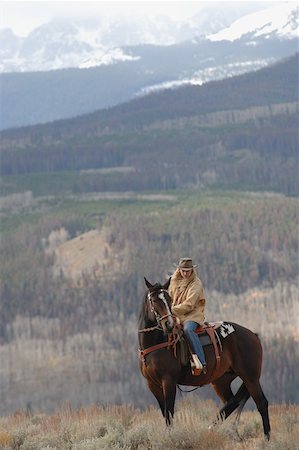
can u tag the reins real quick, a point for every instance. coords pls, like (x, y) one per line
(171, 343)
(145, 330)
(172, 337)
(156, 327)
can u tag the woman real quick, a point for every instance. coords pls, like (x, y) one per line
(188, 305)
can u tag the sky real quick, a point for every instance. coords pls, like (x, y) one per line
(23, 16)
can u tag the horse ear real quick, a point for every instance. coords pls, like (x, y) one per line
(148, 284)
(166, 285)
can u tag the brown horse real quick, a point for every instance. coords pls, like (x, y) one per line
(241, 356)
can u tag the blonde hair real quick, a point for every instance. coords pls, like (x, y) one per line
(177, 274)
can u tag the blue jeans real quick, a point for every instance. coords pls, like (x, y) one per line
(193, 339)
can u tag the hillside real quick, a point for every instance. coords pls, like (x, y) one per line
(90, 206)
(274, 84)
(59, 331)
(77, 257)
(39, 97)
(240, 132)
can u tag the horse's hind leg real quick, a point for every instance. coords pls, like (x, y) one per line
(250, 373)
(222, 387)
(256, 392)
(237, 401)
(242, 395)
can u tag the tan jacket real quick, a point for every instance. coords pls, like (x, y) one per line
(188, 298)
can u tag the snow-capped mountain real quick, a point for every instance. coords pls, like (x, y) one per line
(104, 40)
(279, 21)
(56, 45)
(126, 58)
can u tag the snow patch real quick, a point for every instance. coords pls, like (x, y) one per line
(281, 19)
(106, 57)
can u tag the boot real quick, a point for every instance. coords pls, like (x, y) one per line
(196, 365)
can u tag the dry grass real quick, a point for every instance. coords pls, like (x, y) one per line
(77, 256)
(124, 427)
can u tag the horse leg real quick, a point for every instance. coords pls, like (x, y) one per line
(250, 376)
(242, 395)
(158, 393)
(169, 391)
(248, 366)
(222, 387)
(256, 392)
(233, 402)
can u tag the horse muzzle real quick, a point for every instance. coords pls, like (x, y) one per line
(167, 324)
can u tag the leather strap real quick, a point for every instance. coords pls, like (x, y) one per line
(211, 333)
(169, 344)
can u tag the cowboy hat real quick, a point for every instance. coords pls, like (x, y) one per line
(186, 264)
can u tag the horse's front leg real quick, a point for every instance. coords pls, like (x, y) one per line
(157, 391)
(169, 393)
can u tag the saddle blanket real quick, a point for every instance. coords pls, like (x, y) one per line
(223, 329)
(205, 339)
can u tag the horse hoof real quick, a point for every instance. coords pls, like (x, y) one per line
(267, 436)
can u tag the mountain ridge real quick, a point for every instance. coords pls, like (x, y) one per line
(67, 68)
(65, 43)
(184, 101)
(239, 130)
(31, 98)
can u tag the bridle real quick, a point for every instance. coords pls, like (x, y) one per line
(161, 295)
(172, 336)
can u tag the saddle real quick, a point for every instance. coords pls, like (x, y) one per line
(207, 335)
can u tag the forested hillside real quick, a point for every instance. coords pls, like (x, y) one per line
(274, 84)
(61, 333)
(210, 172)
(39, 97)
(237, 133)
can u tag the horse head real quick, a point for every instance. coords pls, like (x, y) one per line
(159, 302)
